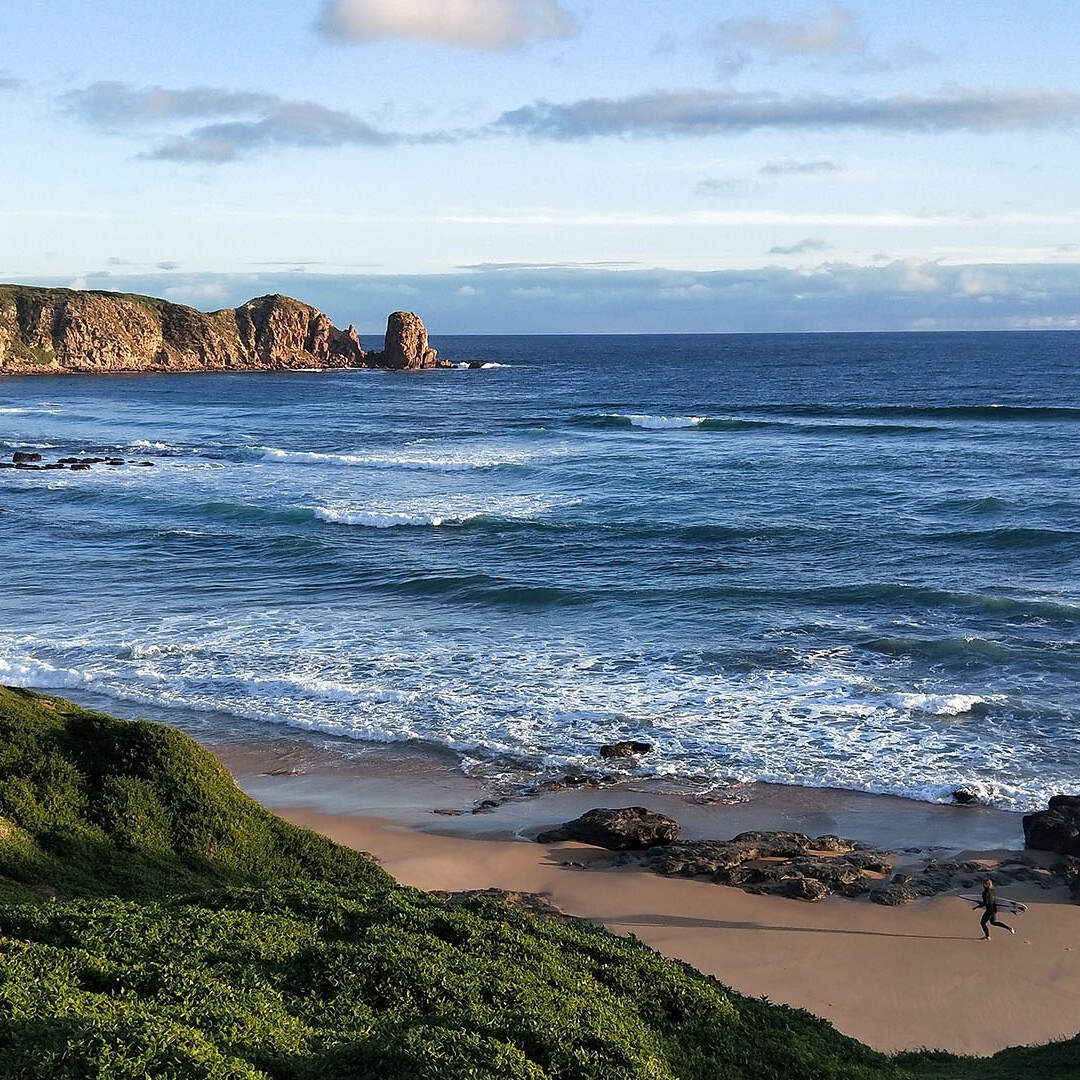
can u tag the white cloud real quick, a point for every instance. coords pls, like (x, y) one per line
(475, 24)
(833, 35)
(235, 123)
(796, 168)
(803, 247)
(704, 113)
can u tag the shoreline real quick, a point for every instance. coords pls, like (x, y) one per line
(427, 790)
(897, 978)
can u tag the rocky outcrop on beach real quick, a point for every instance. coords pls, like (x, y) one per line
(939, 876)
(778, 863)
(56, 331)
(796, 865)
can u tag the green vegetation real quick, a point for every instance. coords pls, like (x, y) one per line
(38, 294)
(155, 922)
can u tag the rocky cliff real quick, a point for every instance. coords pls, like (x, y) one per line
(54, 331)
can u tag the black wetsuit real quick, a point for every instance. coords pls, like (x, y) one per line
(989, 901)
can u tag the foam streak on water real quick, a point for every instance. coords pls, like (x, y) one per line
(838, 560)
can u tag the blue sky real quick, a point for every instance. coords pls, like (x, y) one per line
(553, 165)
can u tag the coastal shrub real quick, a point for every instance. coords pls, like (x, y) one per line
(134, 808)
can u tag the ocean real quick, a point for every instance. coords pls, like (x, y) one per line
(833, 560)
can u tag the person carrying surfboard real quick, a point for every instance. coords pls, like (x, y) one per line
(989, 918)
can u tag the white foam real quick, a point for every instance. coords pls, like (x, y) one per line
(815, 722)
(147, 444)
(386, 519)
(27, 671)
(434, 512)
(943, 704)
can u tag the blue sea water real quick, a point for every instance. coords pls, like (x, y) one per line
(846, 561)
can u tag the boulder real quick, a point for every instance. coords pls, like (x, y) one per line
(1055, 829)
(798, 888)
(631, 827)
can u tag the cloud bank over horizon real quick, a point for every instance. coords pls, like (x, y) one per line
(898, 295)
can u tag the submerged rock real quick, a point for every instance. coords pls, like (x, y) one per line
(629, 748)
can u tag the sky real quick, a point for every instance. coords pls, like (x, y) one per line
(553, 166)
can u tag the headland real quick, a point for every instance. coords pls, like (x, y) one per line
(46, 331)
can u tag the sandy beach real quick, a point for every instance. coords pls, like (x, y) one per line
(896, 978)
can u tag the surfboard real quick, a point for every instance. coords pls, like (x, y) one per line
(1013, 907)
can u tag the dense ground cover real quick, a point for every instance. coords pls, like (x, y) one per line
(156, 922)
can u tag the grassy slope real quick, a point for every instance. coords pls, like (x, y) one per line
(154, 921)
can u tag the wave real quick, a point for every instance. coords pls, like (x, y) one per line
(452, 461)
(927, 598)
(653, 422)
(812, 718)
(972, 705)
(1017, 538)
(484, 590)
(391, 519)
(225, 510)
(31, 410)
(440, 512)
(843, 424)
(997, 413)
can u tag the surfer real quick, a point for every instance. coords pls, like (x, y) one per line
(989, 902)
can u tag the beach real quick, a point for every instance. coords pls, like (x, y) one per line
(895, 978)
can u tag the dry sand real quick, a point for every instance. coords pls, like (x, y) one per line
(895, 978)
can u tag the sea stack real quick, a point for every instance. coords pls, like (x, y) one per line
(406, 343)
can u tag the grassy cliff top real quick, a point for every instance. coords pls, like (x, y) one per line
(156, 922)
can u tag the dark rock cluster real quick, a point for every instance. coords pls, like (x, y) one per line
(950, 875)
(810, 868)
(779, 863)
(32, 461)
(629, 748)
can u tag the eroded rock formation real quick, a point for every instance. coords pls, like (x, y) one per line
(55, 331)
(406, 342)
